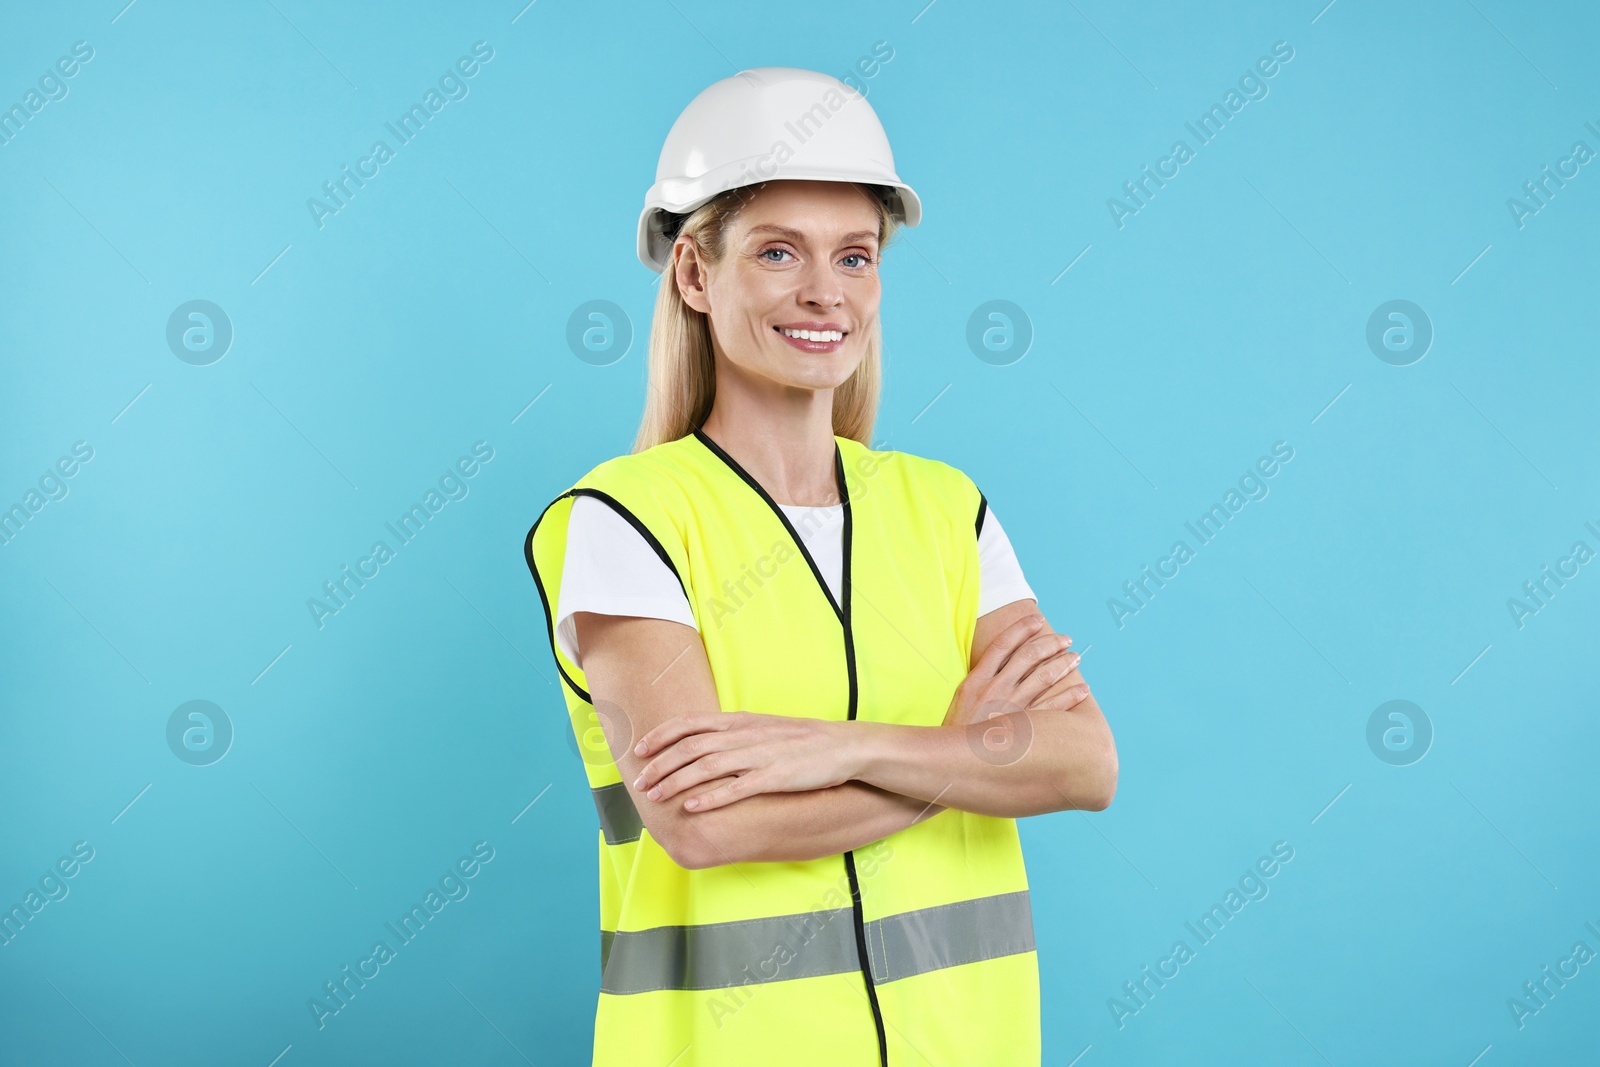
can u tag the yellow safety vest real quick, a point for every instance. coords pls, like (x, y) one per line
(916, 949)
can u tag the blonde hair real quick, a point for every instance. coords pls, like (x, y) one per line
(681, 380)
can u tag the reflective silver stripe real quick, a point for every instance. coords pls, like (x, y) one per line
(719, 955)
(619, 819)
(808, 944)
(915, 942)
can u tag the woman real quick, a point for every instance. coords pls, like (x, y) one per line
(808, 844)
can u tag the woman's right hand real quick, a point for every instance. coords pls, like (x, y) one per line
(1016, 673)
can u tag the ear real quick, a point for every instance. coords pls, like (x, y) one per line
(690, 274)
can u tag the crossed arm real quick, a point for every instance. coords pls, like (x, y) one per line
(801, 788)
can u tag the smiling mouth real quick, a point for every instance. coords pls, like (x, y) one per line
(813, 342)
(814, 336)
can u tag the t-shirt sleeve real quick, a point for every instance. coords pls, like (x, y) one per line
(1000, 579)
(610, 569)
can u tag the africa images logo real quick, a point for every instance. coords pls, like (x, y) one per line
(453, 485)
(452, 86)
(452, 887)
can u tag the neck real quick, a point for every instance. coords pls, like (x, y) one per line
(783, 436)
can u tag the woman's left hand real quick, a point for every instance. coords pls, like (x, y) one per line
(767, 753)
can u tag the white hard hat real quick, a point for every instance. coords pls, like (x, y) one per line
(767, 124)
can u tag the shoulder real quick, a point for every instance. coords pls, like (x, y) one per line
(924, 475)
(640, 480)
(654, 462)
(640, 486)
(652, 491)
(932, 485)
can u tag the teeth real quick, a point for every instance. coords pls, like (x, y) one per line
(814, 335)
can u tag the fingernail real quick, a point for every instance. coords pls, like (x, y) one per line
(639, 748)
(654, 794)
(691, 803)
(638, 783)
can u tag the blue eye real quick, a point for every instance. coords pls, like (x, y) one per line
(866, 260)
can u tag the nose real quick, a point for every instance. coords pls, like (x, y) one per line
(819, 286)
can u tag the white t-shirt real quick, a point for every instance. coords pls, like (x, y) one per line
(610, 569)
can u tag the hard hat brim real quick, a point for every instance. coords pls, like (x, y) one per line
(680, 197)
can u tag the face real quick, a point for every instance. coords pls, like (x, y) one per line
(801, 255)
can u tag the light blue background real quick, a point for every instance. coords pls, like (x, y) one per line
(1228, 314)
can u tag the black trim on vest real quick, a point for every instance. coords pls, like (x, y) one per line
(544, 598)
(983, 509)
(842, 610)
(844, 498)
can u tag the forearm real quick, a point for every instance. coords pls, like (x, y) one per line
(1025, 763)
(777, 827)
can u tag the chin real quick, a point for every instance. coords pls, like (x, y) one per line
(800, 370)
(829, 376)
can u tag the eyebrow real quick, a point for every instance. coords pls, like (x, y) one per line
(800, 238)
